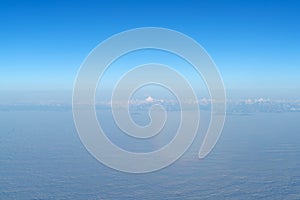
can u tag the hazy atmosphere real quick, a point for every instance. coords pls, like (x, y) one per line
(215, 80)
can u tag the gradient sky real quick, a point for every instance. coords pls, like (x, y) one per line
(255, 44)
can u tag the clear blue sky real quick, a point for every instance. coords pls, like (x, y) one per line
(255, 44)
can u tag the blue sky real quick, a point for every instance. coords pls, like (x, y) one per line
(255, 44)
